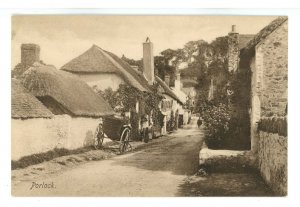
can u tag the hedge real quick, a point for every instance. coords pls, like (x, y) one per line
(276, 125)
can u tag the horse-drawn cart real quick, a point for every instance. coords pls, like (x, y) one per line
(115, 128)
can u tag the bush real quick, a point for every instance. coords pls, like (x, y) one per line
(216, 120)
(225, 127)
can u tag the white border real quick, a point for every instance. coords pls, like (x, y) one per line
(294, 68)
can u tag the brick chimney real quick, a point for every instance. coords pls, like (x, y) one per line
(167, 80)
(233, 49)
(148, 61)
(30, 53)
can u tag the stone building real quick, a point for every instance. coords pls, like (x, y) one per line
(266, 55)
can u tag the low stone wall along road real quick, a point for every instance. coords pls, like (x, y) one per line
(163, 168)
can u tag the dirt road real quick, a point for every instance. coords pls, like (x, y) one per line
(161, 168)
(157, 170)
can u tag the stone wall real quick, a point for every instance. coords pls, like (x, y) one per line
(272, 161)
(269, 84)
(39, 135)
(272, 72)
(269, 100)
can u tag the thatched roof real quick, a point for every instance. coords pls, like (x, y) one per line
(68, 91)
(24, 105)
(167, 89)
(97, 60)
(265, 32)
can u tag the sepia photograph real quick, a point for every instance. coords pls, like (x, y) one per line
(149, 106)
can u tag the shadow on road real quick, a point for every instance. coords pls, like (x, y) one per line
(225, 184)
(180, 154)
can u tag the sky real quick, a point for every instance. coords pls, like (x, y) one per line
(62, 38)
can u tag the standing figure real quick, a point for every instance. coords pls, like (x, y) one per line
(145, 125)
(199, 122)
(99, 135)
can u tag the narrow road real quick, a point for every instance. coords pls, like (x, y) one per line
(158, 170)
(164, 168)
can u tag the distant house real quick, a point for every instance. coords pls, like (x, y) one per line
(191, 96)
(102, 69)
(72, 107)
(266, 55)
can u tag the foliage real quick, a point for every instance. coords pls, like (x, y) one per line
(123, 99)
(232, 133)
(274, 125)
(46, 156)
(225, 117)
(110, 96)
(216, 118)
(171, 122)
(127, 96)
(208, 62)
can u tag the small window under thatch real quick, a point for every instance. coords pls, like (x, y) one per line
(63, 92)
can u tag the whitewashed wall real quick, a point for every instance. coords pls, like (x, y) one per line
(32, 136)
(185, 117)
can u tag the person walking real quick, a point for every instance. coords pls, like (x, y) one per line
(199, 122)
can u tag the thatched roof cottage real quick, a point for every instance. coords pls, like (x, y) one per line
(24, 105)
(52, 109)
(103, 69)
(98, 67)
(28, 115)
(64, 93)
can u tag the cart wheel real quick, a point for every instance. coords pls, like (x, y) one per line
(124, 141)
(98, 142)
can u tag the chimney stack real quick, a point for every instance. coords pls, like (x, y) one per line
(148, 61)
(30, 53)
(233, 29)
(177, 81)
(233, 49)
(167, 80)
